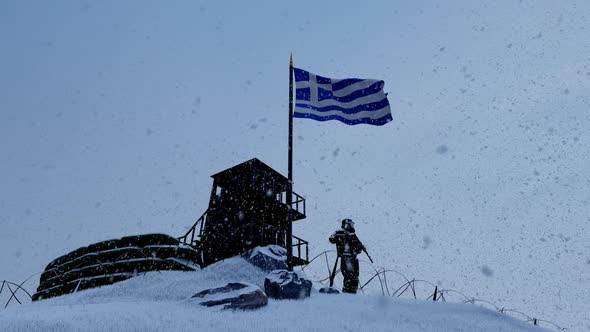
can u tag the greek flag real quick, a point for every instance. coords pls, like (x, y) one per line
(350, 100)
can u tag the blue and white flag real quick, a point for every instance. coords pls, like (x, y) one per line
(350, 100)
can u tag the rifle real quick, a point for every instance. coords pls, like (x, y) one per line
(365, 250)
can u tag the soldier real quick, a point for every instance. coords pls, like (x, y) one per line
(348, 247)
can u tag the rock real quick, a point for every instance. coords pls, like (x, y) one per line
(283, 284)
(329, 290)
(268, 258)
(235, 295)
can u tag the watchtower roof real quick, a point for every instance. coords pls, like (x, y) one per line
(252, 166)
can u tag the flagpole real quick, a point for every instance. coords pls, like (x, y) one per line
(290, 172)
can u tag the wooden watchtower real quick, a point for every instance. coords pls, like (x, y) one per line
(247, 208)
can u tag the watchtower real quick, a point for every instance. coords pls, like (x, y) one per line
(247, 208)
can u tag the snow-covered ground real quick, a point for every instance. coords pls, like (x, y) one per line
(114, 114)
(160, 301)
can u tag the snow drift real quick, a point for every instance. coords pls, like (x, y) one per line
(161, 301)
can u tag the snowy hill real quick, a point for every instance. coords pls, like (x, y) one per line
(114, 114)
(159, 301)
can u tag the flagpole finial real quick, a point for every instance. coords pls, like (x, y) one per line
(291, 60)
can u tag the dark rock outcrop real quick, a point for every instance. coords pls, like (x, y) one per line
(283, 284)
(329, 290)
(268, 258)
(235, 295)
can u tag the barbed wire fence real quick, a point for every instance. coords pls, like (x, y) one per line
(16, 291)
(13, 288)
(413, 288)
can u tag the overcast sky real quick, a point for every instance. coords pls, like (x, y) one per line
(114, 114)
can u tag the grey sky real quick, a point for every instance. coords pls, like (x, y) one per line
(113, 114)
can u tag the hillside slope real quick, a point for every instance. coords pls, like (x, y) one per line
(159, 301)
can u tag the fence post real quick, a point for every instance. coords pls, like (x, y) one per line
(435, 291)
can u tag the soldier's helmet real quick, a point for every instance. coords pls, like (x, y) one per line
(347, 224)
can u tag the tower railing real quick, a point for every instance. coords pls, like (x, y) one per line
(297, 201)
(299, 243)
(300, 246)
(189, 237)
